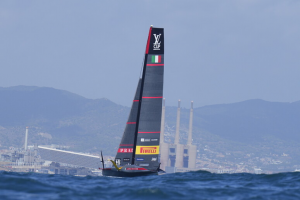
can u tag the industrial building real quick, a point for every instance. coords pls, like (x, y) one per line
(21, 159)
(70, 158)
(177, 157)
(48, 160)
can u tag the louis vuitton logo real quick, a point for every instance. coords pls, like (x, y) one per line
(156, 44)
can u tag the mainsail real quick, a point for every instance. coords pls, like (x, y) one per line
(145, 115)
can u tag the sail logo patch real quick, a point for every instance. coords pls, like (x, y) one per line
(147, 150)
(145, 139)
(125, 150)
(156, 44)
(156, 59)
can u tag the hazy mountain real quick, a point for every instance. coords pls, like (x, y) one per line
(65, 117)
(251, 120)
(61, 117)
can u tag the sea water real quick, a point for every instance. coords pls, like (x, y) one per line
(190, 185)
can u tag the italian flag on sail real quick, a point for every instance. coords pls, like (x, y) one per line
(156, 59)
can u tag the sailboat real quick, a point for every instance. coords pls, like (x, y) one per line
(138, 152)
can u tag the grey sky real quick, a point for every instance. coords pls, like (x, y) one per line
(215, 51)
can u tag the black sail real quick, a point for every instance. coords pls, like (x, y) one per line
(125, 150)
(146, 146)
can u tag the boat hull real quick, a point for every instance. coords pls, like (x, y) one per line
(111, 172)
(128, 171)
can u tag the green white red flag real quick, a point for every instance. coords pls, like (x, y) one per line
(156, 59)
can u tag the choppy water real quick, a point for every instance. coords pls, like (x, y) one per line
(191, 185)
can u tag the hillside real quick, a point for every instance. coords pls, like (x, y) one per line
(66, 118)
(253, 127)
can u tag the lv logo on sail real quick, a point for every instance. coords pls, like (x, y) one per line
(156, 44)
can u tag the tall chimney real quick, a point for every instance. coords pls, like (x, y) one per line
(177, 124)
(26, 138)
(190, 138)
(162, 126)
(164, 147)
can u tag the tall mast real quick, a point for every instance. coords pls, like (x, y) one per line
(141, 93)
(148, 125)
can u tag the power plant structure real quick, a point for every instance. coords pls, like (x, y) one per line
(49, 160)
(26, 139)
(177, 157)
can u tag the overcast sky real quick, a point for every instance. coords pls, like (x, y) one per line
(215, 51)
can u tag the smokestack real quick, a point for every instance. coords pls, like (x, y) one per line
(190, 139)
(162, 126)
(179, 147)
(177, 124)
(164, 147)
(26, 138)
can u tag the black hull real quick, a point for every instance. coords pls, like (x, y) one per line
(108, 172)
